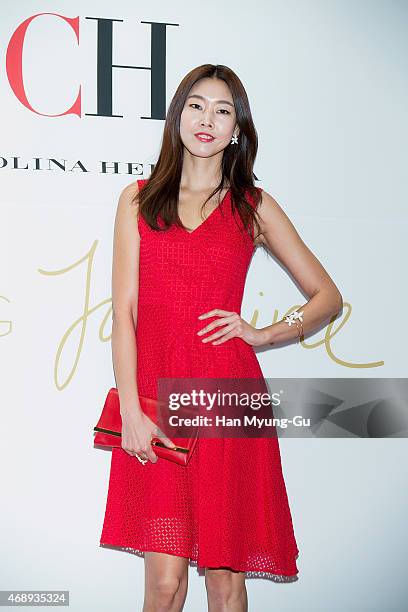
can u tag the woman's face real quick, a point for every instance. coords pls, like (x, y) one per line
(209, 109)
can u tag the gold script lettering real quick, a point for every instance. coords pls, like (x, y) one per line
(88, 258)
(328, 335)
(10, 325)
(83, 319)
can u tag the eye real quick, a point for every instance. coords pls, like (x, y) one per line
(222, 110)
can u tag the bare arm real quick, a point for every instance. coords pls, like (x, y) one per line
(125, 290)
(137, 428)
(282, 239)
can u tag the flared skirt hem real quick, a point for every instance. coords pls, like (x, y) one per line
(193, 560)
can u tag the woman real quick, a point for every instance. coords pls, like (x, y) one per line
(227, 510)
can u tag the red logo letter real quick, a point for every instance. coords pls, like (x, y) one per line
(14, 66)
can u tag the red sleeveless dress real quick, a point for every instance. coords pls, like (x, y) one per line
(228, 507)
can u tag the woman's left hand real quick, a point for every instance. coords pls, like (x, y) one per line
(235, 327)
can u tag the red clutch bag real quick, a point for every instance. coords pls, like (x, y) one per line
(108, 430)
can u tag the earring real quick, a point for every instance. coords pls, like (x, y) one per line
(234, 139)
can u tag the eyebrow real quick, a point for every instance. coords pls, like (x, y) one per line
(217, 101)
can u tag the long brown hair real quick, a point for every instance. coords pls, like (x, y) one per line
(160, 194)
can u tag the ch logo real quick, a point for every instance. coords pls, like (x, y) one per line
(104, 68)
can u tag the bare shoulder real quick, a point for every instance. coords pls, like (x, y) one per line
(127, 207)
(126, 218)
(126, 243)
(272, 218)
(268, 205)
(127, 196)
(132, 189)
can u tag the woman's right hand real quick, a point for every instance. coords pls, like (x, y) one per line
(137, 433)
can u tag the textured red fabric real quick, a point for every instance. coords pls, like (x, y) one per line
(228, 507)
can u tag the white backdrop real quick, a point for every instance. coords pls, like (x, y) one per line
(326, 82)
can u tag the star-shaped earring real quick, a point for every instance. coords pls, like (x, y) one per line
(234, 139)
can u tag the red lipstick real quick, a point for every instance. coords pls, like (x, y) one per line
(204, 137)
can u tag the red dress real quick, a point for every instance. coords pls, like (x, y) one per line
(228, 507)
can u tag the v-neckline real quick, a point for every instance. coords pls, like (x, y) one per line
(190, 233)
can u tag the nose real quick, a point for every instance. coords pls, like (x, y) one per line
(207, 118)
